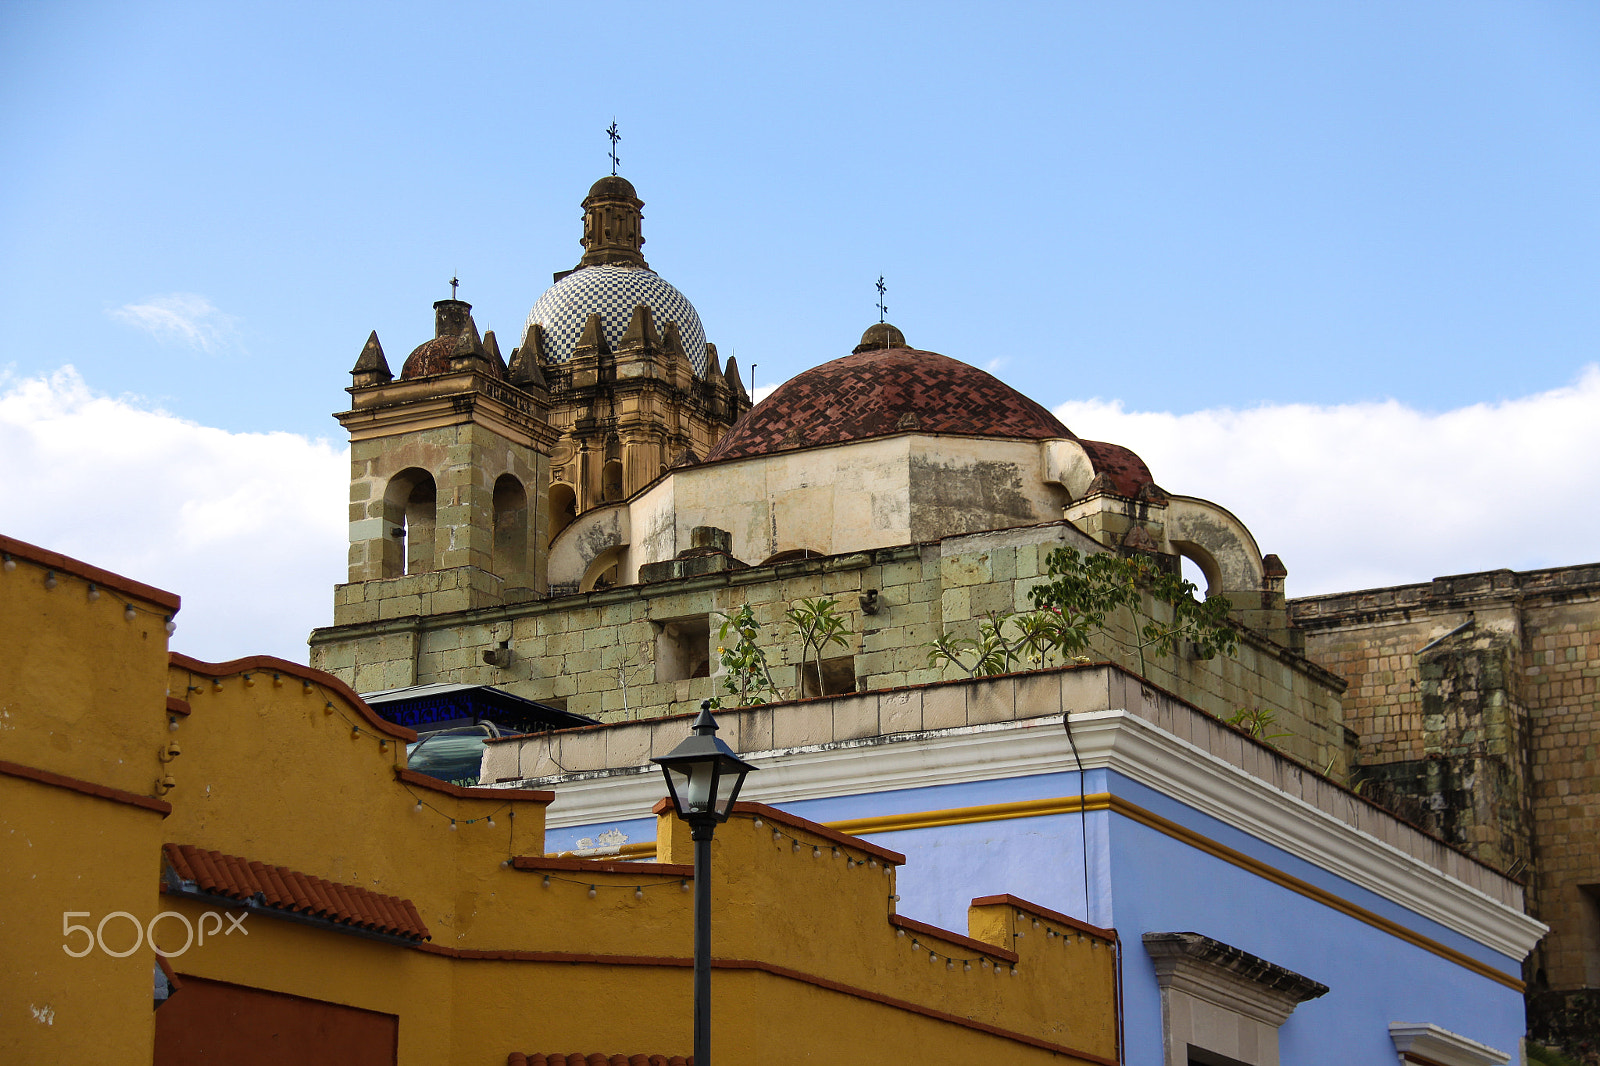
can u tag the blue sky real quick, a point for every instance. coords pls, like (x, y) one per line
(1171, 209)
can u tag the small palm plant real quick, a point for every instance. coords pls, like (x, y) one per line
(818, 623)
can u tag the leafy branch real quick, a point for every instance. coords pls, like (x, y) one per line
(1071, 609)
(744, 665)
(818, 623)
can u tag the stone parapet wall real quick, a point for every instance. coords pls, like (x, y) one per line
(602, 654)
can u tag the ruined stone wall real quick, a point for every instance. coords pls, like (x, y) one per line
(617, 654)
(1474, 698)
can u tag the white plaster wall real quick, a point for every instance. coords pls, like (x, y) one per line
(847, 498)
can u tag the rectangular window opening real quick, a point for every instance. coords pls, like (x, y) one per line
(838, 677)
(683, 648)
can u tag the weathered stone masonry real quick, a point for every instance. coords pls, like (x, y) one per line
(1475, 701)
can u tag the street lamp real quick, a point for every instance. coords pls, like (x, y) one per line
(703, 777)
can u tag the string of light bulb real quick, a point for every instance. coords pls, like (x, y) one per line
(817, 851)
(93, 591)
(594, 887)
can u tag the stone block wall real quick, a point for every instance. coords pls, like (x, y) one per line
(599, 653)
(1474, 698)
(1561, 675)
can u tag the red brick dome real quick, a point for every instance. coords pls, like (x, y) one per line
(429, 358)
(879, 392)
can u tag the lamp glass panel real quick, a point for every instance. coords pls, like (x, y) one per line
(732, 780)
(678, 782)
(700, 791)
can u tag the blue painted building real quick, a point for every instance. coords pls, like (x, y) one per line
(1117, 804)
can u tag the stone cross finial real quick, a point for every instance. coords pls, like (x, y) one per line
(882, 309)
(611, 131)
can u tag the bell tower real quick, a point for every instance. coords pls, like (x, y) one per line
(449, 476)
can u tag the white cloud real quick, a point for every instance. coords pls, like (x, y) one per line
(249, 528)
(1371, 494)
(762, 393)
(184, 317)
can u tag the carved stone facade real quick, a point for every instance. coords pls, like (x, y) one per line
(634, 386)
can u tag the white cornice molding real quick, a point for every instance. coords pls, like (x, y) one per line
(1442, 1046)
(1151, 756)
(1111, 739)
(790, 775)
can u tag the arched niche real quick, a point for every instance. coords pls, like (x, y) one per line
(510, 553)
(611, 488)
(563, 507)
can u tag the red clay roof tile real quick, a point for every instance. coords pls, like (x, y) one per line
(882, 392)
(288, 890)
(535, 1058)
(1126, 470)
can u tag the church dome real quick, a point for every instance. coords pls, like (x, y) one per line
(612, 186)
(880, 391)
(613, 292)
(454, 334)
(429, 358)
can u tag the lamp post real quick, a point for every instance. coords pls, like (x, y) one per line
(703, 778)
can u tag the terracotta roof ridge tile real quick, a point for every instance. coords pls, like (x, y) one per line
(420, 927)
(383, 906)
(243, 878)
(303, 892)
(178, 861)
(284, 883)
(596, 1058)
(345, 909)
(211, 875)
(283, 889)
(405, 919)
(368, 913)
(327, 904)
(263, 884)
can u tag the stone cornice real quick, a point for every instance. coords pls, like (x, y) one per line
(1231, 978)
(447, 400)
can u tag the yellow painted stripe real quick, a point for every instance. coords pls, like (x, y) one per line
(990, 812)
(1101, 801)
(1310, 891)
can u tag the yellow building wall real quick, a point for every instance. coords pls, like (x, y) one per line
(283, 765)
(82, 720)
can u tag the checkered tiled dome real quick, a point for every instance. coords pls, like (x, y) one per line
(614, 291)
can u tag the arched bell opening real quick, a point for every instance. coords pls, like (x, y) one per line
(410, 508)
